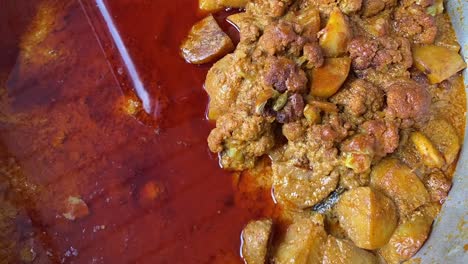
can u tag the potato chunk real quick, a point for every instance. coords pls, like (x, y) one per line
(209, 5)
(338, 251)
(407, 239)
(438, 63)
(334, 38)
(255, 238)
(206, 42)
(215, 5)
(303, 243)
(430, 156)
(398, 182)
(444, 137)
(367, 216)
(299, 187)
(222, 86)
(308, 17)
(233, 3)
(327, 80)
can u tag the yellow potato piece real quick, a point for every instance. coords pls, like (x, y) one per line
(334, 38)
(303, 243)
(209, 5)
(407, 239)
(444, 137)
(255, 238)
(327, 80)
(367, 216)
(233, 3)
(398, 182)
(338, 251)
(300, 188)
(309, 17)
(215, 5)
(430, 156)
(206, 42)
(438, 63)
(220, 88)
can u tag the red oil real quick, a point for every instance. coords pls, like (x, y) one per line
(64, 133)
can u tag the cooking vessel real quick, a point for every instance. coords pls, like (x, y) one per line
(448, 242)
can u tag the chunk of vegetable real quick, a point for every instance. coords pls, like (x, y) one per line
(338, 251)
(236, 19)
(326, 107)
(438, 186)
(436, 9)
(236, 158)
(215, 5)
(312, 114)
(327, 80)
(255, 239)
(444, 137)
(209, 5)
(303, 243)
(233, 3)
(367, 216)
(309, 18)
(438, 63)
(293, 130)
(280, 102)
(206, 42)
(297, 187)
(430, 156)
(358, 162)
(350, 6)
(398, 182)
(334, 38)
(75, 208)
(407, 239)
(220, 87)
(358, 152)
(263, 98)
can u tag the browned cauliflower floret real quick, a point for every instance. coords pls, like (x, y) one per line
(415, 23)
(362, 51)
(385, 133)
(406, 99)
(240, 139)
(280, 37)
(314, 55)
(360, 97)
(283, 74)
(380, 53)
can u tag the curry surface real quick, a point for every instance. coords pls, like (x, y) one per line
(65, 132)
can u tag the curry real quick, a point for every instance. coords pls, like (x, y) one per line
(89, 175)
(360, 107)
